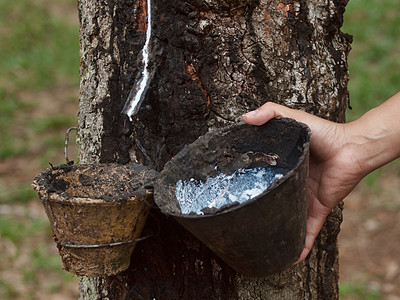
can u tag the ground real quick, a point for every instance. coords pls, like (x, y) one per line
(369, 240)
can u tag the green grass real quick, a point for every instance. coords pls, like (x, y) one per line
(19, 229)
(9, 146)
(38, 51)
(39, 47)
(31, 237)
(374, 62)
(42, 261)
(21, 194)
(7, 291)
(52, 123)
(360, 291)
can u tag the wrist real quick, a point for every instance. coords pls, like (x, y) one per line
(374, 140)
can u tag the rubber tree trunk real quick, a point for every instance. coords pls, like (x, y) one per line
(211, 61)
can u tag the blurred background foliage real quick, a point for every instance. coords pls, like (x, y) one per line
(39, 83)
(39, 79)
(374, 61)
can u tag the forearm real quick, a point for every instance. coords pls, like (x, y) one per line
(375, 137)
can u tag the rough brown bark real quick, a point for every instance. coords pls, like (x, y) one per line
(214, 61)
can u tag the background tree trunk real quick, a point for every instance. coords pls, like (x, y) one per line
(213, 61)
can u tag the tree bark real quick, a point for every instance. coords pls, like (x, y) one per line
(212, 62)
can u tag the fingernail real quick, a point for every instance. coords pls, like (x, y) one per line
(252, 113)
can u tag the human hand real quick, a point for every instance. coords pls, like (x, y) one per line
(334, 170)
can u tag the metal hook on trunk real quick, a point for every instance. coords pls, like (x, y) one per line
(68, 162)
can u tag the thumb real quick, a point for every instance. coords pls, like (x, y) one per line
(269, 111)
(261, 115)
(273, 110)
